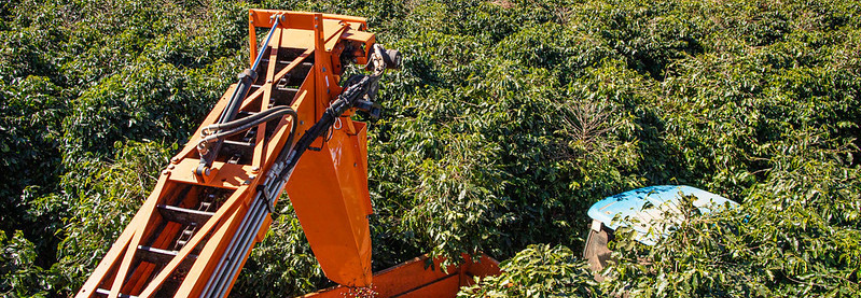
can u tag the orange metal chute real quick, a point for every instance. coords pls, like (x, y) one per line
(195, 231)
(329, 192)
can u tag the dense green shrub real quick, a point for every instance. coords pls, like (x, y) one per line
(508, 120)
(538, 271)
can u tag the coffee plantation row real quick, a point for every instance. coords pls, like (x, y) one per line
(509, 119)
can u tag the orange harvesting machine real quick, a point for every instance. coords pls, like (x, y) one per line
(285, 126)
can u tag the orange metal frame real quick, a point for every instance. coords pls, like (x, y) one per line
(415, 279)
(328, 187)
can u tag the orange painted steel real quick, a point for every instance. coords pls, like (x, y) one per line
(173, 245)
(415, 279)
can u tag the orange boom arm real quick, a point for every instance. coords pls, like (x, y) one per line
(286, 125)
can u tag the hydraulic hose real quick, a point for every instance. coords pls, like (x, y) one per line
(346, 100)
(239, 122)
(244, 124)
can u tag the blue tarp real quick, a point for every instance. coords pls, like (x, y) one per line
(650, 210)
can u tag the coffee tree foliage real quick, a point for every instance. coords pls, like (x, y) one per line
(507, 121)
